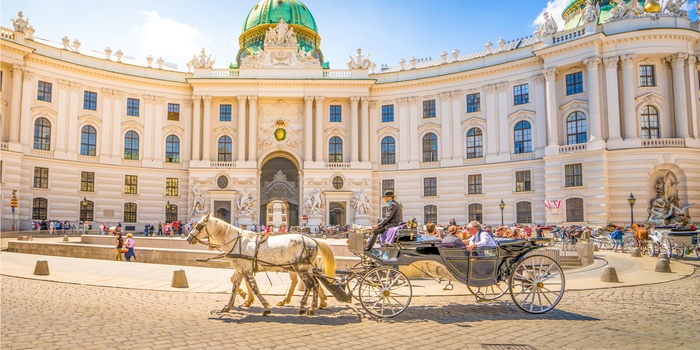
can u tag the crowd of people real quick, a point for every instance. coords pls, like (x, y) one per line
(58, 227)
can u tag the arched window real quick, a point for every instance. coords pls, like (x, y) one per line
(88, 141)
(388, 150)
(335, 150)
(86, 210)
(523, 137)
(430, 148)
(523, 212)
(172, 149)
(225, 149)
(476, 212)
(430, 213)
(131, 145)
(130, 212)
(574, 210)
(39, 208)
(42, 134)
(650, 123)
(475, 143)
(576, 128)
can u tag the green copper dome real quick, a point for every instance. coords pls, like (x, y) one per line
(271, 11)
(572, 12)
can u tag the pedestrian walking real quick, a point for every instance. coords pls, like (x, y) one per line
(160, 228)
(130, 248)
(119, 246)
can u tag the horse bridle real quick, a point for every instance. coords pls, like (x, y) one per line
(195, 239)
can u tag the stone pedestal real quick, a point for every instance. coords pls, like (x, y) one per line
(245, 220)
(41, 268)
(362, 219)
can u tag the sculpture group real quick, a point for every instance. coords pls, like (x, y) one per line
(666, 207)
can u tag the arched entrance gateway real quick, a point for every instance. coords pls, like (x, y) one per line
(279, 192)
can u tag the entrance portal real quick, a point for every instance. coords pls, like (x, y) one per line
(336, 214)
(279, 193)
(222, 210)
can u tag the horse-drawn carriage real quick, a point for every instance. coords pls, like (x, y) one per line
(677, 241)
(535, 282)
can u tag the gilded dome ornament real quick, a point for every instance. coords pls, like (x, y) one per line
(652, 6)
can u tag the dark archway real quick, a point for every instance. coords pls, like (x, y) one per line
(279, 181)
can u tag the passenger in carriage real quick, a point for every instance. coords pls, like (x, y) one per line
(478, 237)
(451, 237)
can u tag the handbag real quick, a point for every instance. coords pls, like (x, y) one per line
(125, 249)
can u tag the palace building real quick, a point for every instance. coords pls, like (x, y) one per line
(559, 127)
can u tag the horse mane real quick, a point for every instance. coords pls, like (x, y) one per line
(225, 226)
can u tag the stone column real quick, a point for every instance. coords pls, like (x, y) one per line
(308, 129)
(414, 140)
(631, 130)
(364, 130)
(458, 138)
(63, 109)
(404, 134)
(107, 132)
(26, 127)
(505, 132)
(196, 127)
(491, 110)
(16, 101)
(73, 132)
(318, 137)
(158, 137)
(693, 95)
(594, 120)
(206, 129)
(117, 115)
(146, 114)
(612, 91)
(374, 109)
(550, 76)
(354, 130)
(445, 125)
(242, 127)
(680, 103)
(253, 129)
(540, 139)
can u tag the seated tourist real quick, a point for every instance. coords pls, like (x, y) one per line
(430, 233)
(451, 237)
(479, 237)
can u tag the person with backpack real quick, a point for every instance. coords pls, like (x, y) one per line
(617, 237)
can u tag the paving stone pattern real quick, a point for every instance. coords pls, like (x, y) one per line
(49, 315)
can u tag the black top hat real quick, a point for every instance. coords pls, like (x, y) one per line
(389, 194)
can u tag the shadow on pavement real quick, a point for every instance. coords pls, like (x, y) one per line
(283, 315)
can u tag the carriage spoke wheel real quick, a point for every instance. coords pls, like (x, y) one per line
(697, 251)
(385, 292)
(491, 292)
(537, 284)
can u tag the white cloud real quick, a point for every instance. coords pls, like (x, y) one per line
(555, 8)
(175, 41)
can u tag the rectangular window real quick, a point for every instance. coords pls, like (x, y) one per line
(387, 113)
(132, 107)
(574, 83)
(646, 75)
(41, 177)
(90, 100)
(574, 175)
(522, 181)
(87, 181)
(521, 94)
(336, 116)
(429, 109)
(174, 111)
(44, 91)
(474, 182)
(387, 185)
(430, 186)
(171, 187)
(131, 184)
(225, 113)
(473, 103)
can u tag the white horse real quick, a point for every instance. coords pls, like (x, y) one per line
(293, 252)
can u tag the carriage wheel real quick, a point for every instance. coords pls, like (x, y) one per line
(537, 284)
(607, 244)
(654, 249)
(629, 243)
(385, 292)
(491, 292)
(697, 251)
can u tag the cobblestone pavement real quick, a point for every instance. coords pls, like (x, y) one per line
(50, 315)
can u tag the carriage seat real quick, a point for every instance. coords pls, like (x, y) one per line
(406, 234)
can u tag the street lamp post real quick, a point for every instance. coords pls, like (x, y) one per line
(630, 201)
(502, 205)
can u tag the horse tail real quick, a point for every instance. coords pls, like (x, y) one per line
(327, 258)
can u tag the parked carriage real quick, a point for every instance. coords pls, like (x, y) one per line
(677, 242)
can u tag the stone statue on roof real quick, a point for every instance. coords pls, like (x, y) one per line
(359, 61)
(20, 23)
(591, 12)
(203, 61)
(281, 35)
(675, 8)
(548, 27)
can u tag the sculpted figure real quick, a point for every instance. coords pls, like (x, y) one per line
(675, 8)
(199, 203)
(361, 203)
(591, 12)
(548, 27)
(697, 8)
(245, 204)
(313, 203)
(359, 61)
(20, 23)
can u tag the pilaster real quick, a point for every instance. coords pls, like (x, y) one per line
(242, 127)
(318, 133)
(206, 129)
(354, 130)
(16, 100)
(364, 130)
(679, 94)
(414, 139)
(613, 97)
(253, 129)
(62, 112)
(445, 125)
(628, 106)
(26, 127)
(550, 76)
(196, 127)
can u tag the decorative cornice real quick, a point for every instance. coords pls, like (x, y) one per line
(413, 101)
(489, 89)
(118, 94)
(650, 98)
(206, 99)
(75, 86)
(252, 99)
(307, 99)
(354, 99)
(538, 78)
(107, 92)
(403, 102)
(592, 62)
(502, 86)
(63, 84)
(611, 62)
(445, 96)
(319, 99)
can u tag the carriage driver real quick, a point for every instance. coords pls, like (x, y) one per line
(394, 217)
(478, 237)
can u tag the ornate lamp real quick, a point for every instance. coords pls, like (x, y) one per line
(167, 205)
(630, 201)
(502, 205)
(84, 202)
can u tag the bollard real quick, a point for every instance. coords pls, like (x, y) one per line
(65, 238)
(41, 268)
(179, 279)
(662, 265)
(609, 275)
(595, 248)
(663, 255)
(636, 253)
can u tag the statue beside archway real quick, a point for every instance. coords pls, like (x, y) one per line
(665, 208)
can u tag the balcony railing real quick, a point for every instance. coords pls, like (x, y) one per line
(579, 147)
(428, 165)
(222, 165)
(522, 156)
(4, 146)
(663, 143)
(41, 153)
(131, 163)
(337, 165)
(473, 161)
(387, 167)
(568, 35)
(6, 33)
(225, 73)
(88, 159)
(337, 74)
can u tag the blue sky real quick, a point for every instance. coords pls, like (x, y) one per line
(388, 30)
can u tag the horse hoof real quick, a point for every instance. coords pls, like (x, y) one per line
(267, 313)
(310, 313)
(323, 305)
(302, 312)
(226, 309)
(281, 303)
(247, 304)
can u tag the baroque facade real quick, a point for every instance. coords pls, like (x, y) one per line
(559, 127)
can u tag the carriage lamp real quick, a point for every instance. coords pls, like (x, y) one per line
(502, 205)
(631, 201)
